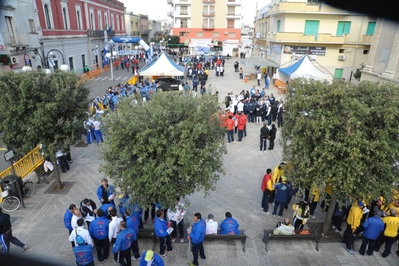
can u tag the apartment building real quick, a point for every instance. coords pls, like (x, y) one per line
(383, 58)
(203, 24)
(338, 40)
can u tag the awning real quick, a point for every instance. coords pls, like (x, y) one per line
(259, 62)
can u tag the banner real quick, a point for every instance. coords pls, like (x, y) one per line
(310, 50)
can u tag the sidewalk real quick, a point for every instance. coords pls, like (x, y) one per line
(41, 227)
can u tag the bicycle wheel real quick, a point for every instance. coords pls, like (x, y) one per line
(28, 188)
(10, 204)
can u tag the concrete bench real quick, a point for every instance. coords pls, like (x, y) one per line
(313, 235)
(241, 236)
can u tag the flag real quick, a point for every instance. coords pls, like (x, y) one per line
(110, 29)
(105, 34)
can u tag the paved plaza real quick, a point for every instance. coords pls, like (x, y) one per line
(41, 226)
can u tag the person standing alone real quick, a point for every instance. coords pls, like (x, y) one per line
(6, 236)
(197, 235)
(267, 188)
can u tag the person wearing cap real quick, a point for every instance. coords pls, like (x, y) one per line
(353, 222)
(149, 258)
(373, 226)
(197, 235)
(390, 234)
(211, 225)
(283, 191)
(83, 253)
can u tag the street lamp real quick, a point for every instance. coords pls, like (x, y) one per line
(46, 60)
(110, 57)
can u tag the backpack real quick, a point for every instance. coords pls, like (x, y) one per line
(79, 239)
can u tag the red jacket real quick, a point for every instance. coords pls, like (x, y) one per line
(266, 183)
(229, 124)
(242, 121)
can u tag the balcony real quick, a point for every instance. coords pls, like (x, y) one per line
(298, 37)
(100, 33)
(208, 1)
(208, 26)
(170, 14)
(233, 15)
(183, 13)
(366, 39)
(208, 14)
(169, 2)
(234, 2)
(144, 32)
(305, 8)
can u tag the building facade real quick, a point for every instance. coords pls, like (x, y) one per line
(132, 24)
(202, 23)
(383, 60)
(19, 31)
(338, 40)
(144, 27)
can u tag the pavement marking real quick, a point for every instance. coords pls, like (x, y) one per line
(97, 78)
(106, 78)
(118, 78)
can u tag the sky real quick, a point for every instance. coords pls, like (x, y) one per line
(157, 9)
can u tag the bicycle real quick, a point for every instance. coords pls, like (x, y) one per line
(11, 201)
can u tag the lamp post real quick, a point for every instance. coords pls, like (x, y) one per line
(44, 59)
(110, 55)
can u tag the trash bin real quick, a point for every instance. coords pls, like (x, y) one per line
(10, 182)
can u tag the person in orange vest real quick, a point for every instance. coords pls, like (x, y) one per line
(242, 121)
(229, 128)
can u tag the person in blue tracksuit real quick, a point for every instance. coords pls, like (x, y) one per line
(229, 226)
(283, 191)
(373, 227)
(105, 192)
(123, 242)
(99, 232)
(149, 258)
(106, 208)
(197, 235)
(83, 253)
(160, 228)
(133, 222)
(67, 220)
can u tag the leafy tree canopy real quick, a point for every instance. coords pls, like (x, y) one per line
(37, 108)
(167, 147)
(346, 132)
(174, 39)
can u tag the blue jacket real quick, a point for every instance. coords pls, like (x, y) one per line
(373, 226)
(83, 254)
(124, 240)
(124, 204)
(111, 190)
(283, 191)
(157, 260)
(229, 226)
(160, 227)
(67, 220)
(197, 234)
(133, 222)
(105, 208)
(99, 228)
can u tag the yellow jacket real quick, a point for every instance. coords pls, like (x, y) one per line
(276, 174)
(391, 206)
(354, 216)
(329, 186)
(392, 226)
(314, 194)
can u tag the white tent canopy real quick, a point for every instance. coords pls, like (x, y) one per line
(304, 68)
(163, 65)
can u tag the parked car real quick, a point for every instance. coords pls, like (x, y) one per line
(167, 84)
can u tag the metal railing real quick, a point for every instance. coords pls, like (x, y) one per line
(26, 164)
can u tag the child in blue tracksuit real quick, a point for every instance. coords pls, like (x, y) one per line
(229, 225)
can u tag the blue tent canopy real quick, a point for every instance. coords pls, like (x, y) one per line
(163, 65)
(291, 69)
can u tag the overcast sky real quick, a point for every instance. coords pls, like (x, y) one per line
(157, 9)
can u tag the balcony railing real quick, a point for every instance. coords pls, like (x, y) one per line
(208, 14)
(170, 14)
(208, 26)
(183, 13)
(233, 14)
(99, 33)
(169, 2)
(144, 32)
(300, 37)
(208, 1)
(233, 2)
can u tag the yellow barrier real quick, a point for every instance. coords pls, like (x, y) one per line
(26, 164)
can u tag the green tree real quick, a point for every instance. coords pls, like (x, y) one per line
(171, 145)
(36, 108)
(174, 39)
(345, 132)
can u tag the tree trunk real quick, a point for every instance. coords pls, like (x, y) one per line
(330, 212)
(57, 176)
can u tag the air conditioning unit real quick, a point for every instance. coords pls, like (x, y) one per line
(341, 58)
(14, 60)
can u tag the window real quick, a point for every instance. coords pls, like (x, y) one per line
(100, 22)
(338, 73)
(278, 25)
(183, 23)
(232, 34)
(343, 28)
(182, 33)
(71, 63)
(117, 23)
(122, 23)
(200, 34)
(10, 29)
(47, 16)
(216, 34)
(183, 10)
(92, 21)
(231, 10)
(341, 51)
(32, 26)
(106, 20)
(365, 51)
(65, 17)
(83, 60)
(230, 23)
(79, 17)
(312, 28)
(370, 28)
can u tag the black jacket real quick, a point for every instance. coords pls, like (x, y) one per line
(85, 210)
(5, 223)
(264, 132)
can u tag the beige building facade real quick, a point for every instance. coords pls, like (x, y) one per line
(132, 24)
(338, 40)
(383, 59)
